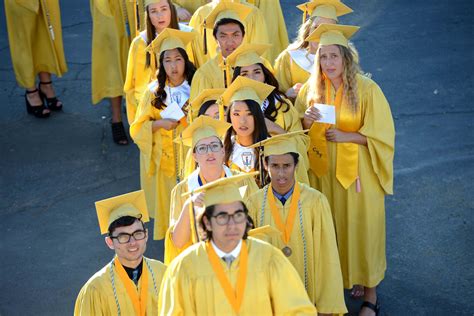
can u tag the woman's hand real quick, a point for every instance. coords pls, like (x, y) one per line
(164, 124)
(292, 93)
(183, 14)
(337, 136)
(311, 115)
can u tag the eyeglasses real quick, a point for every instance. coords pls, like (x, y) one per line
(203, 149)
(224, 218)
(124, 238)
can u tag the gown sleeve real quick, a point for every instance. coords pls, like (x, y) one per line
(328, 287)
(379, 129)
(90, 301)
(283, 71)
(149, 143)
(129, 86)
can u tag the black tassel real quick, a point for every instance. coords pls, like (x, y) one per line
(205, 38)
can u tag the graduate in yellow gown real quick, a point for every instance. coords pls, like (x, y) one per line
(157, 124)
(254, 24)
(141, 66)
(295, 64)
(276, 26)
(244, 99)
(36, 47)
(130, 283)
(203, 136)
(113, 28)
(303, 217)
(226, 21)
(351, 161)
(228, 273)
(280, 115)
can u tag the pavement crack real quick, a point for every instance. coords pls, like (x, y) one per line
(432, 113)
(75, 24)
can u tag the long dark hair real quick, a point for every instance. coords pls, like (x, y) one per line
(209, 211)
(160, 93)
(260, 129)
(271, 111)
(151, 30)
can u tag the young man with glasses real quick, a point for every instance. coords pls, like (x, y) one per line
(130, 283)
(228, 273)
(303, 217)
(203, 136)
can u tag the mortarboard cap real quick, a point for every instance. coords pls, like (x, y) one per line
(279, 144)
(243, 88)
(170, 39)
(247, 54)
(332, 34)
(329, 9)
(202, 127)
(130, 204)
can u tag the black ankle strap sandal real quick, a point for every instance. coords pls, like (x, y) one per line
(118, 134)
(375, 307)
(52, 103)
(36, 110)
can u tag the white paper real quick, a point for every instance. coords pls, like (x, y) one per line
(172, 112)
(328, 113)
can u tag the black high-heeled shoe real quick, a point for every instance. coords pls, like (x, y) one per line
(51, 103)
(37, 110)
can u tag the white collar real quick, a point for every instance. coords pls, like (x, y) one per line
(193, 182)
(235, 253)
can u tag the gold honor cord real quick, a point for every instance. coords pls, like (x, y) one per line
(139, 302)
(236, 296)
(287, 227)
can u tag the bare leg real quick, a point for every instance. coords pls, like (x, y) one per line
(47, 88)
(116, 104)
(370, 295)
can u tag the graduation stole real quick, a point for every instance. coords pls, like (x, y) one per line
(139, 302)
(287, 227)
(347, 154)
(236, 296)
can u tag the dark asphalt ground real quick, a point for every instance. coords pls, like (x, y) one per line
(52, 171)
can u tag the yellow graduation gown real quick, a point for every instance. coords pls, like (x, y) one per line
(292, 67)
(160, 163)
(321, 269)
(359, 218)
(273, 287)
(255, 27)
(139, 76)
(273, 15)
(97, 295)
(110, 45)
(32, 47)
(177, 202)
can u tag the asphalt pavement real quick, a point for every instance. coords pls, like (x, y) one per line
(52, 171)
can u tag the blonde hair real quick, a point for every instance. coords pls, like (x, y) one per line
(303, 32)
(317, 84)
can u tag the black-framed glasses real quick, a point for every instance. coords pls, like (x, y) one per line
(224, 218)
(124, 238)
(203, 149)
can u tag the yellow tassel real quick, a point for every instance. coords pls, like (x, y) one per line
(205, 37)
(220, 105)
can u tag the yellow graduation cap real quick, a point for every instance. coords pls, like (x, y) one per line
(203, 97)
(130, 204)
(222, 191)
(243, 88)
(280, 144)
(170, 39)
(329, 9)
(202, 127)
(332, 34)
(230, 10)
(247, 54)
(224, 9)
